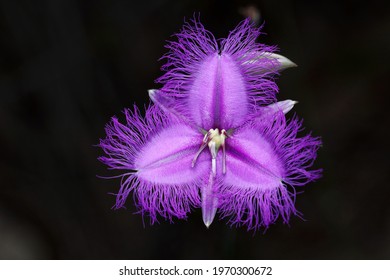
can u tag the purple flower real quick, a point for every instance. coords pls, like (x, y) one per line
(216, 137)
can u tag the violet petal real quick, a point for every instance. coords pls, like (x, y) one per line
(209, 200)
(214, 85)
(166, 158)
(217, 97)
(252, 161)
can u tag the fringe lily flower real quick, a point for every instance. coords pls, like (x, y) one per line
(215, 137)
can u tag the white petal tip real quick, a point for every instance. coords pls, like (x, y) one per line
(152, 92)
(208, 213)
(209, 218)
(284, 62)
(285, 106)
(288, 63)
(207, 224)
(209, 202)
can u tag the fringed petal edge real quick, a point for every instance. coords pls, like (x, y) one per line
(153, 200)
(122, 145)
(194, 44)
(123, 141)
(259, 71)
(257, 209)
(297, 153)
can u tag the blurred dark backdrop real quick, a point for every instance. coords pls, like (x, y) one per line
(67, 66)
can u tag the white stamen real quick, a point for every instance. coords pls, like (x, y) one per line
(213, 151)
(214, 166)
(204, 144)
(223, 136)
(214, 140)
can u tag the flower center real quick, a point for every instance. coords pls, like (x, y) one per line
(214, 140)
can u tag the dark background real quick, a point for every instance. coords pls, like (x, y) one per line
(67, 66)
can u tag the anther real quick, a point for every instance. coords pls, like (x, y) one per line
(214, 140)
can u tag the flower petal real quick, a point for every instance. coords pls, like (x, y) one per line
(171, 106)
(254, 194)
(168, 184)
(264, 164)
(156, 154)
(252, 161)
(167, 156)
(217, 87)
(217, 96)
(209, 200)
